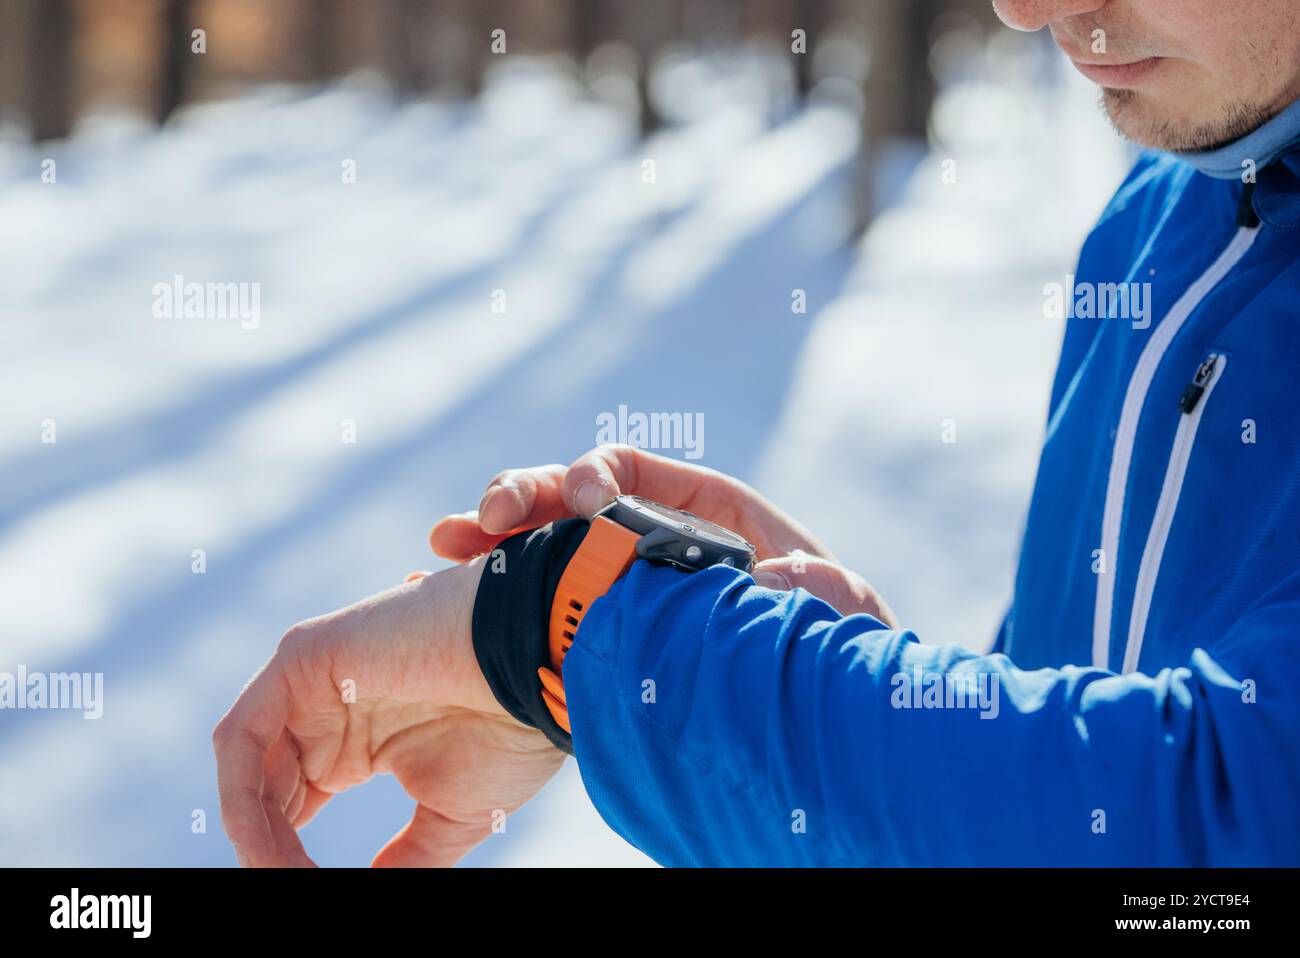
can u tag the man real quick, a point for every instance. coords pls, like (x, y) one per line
(1144, 691)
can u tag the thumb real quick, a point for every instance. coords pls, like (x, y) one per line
(593, 480)
(842, 588)
(430, 840)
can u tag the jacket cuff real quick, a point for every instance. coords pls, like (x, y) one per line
(512, 612)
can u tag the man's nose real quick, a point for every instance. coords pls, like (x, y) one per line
(1035, 14)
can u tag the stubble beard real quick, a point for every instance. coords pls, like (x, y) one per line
(1131, 118)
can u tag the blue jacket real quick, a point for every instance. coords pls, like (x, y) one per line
(1142, 703)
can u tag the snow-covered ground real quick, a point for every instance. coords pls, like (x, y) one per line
(380, 305)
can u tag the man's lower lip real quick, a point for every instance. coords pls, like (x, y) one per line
(1119, 74)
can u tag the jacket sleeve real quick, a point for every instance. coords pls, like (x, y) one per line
(719, 723)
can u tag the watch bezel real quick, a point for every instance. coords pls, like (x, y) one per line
(666, 540)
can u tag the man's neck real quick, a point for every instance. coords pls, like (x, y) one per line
(1254, 151)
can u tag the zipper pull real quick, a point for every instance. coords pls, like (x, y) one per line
(1196, 388)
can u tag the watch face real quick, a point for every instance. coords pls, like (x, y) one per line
(691, 522)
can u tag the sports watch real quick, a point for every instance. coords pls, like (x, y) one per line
(627, 529)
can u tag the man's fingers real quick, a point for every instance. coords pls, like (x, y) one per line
(242, 741)
(306, 804)
(842, 588)
(596, 478)
(282, 773)
(430, 840)
(460, 538)
(522, 499)
(289, 852)
(517, 499)
(453, 536)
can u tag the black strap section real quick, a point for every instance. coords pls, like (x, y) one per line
(1246, 215)
(512, 613)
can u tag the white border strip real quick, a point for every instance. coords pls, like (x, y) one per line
(1153, 554)
(1126, 433)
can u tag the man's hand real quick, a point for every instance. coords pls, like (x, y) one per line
(841, 588)
(519, 499)
(390, 684)
(789, 555)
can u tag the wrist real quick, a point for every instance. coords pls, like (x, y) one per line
(448, 602)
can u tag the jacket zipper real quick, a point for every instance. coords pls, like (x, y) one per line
(1192, 404)
(1126, 432)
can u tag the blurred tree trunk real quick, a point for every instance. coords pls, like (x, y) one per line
(460, 42)
(779, 19)
(649, 27)
(591, 27)
(809, 16)
(47, 94)
(11, 59)
(406, 43)
(899, 86)
(483, 17)
(323, 38)
(643, 27)
(176, 62)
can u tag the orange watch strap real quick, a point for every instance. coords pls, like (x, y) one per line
(606, 553)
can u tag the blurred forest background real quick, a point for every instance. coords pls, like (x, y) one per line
(61, 59)
(840, 254)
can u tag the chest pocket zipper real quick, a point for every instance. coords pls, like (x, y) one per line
(1126, 431)
(1192, 405)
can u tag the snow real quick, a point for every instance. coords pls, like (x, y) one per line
(377, 308)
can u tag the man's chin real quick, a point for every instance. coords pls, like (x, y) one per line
(1137, 119)
(1143, 120)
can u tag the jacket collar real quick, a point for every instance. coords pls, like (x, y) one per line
(1262, 147)
(1274, 151)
